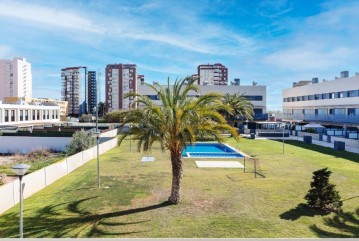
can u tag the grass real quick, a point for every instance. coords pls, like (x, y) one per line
(37, 160)
(216, 202)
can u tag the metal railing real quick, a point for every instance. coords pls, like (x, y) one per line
(325, 118)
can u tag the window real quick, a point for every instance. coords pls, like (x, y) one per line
(26, 115)
(353, 93)
(316, 111)
(12, 115)
(21, 115)
(33, 115)
(258, 111)
(6, 116)
(255, 97)
(331, 111)
(351, 111)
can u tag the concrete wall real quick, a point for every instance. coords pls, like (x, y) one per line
(26, 144)
(112, 133)
(34, 182)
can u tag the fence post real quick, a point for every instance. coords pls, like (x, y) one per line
(244, 169)
(255, 168)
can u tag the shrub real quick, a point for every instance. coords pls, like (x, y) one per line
(113, 117)
(310, 130)
(81, 140)
(322, 194)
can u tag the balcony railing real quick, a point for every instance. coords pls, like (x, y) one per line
(324, 118)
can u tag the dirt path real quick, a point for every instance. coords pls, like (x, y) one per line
(3, 161)
(6, 159)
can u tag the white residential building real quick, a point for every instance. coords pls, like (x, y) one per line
(24, 113)
(329, 102)
(15, 78)
(257, 94)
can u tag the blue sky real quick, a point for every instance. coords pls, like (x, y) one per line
(271, 42)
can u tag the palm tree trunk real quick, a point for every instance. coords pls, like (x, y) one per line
(177, 172)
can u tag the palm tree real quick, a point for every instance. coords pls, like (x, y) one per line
(240, 105)
(178, 121)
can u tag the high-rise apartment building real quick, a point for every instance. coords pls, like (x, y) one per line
(120, 80)
(15, 78)
(212, 74)
(91, 91)
(70, 89)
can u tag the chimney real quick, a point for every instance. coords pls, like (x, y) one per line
(315, 80)
(344, 74)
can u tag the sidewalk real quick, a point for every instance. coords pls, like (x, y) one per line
(315, 142)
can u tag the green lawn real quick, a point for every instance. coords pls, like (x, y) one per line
(216, 202)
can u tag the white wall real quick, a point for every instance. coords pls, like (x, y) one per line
(34, 182)
(111, 133)
(26, 144)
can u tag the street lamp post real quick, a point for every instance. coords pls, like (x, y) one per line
(283, 136)
(20, 170)
(130, 139)
(97, 134)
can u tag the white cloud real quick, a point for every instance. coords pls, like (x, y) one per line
(304, 58)
(48, 16)
(192, 35)
(273, 8)
(5, 51)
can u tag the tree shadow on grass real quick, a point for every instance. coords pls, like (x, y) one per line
(300, 211)
(345, 223)
(69, 220)
(324, 150)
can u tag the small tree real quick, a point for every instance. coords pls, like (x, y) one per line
(81, 140)
(322, 194)
(113, 117)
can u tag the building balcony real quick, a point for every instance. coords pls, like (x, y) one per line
(353, 119)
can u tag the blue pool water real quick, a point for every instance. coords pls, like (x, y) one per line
(210, 150)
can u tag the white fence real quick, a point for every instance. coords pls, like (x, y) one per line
(34, 182)
(348, 142)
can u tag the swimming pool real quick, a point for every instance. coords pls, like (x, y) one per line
(210, 150)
